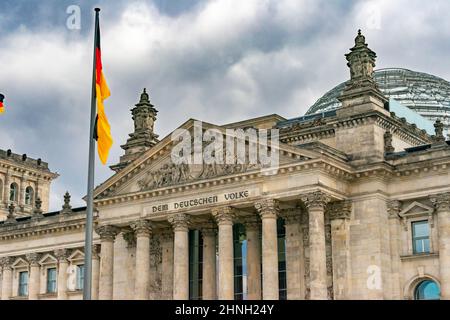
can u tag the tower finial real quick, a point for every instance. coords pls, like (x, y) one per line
(144, 97)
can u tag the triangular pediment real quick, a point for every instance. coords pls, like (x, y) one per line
(155, 169)
(416, 209)
(48, 259)
(77, 255)
(20, 263)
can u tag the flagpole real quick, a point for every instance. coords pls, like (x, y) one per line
(87, 285)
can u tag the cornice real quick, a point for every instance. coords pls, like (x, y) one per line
(20, 171)
(339, 171)
(398, 126)
(30, 229)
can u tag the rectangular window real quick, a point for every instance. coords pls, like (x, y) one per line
(80, 277)
(23, 283)
(195, 265)
(240, 261)
(51, 280)
(421, 237)
(282, 281)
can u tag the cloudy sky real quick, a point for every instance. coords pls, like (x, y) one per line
(217, 60)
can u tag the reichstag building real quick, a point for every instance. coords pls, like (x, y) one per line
(359, 207)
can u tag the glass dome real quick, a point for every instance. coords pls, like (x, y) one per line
(426, 94)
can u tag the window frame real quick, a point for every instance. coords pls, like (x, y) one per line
(418, 238)
(14, 195)
(420, 283)
(48, 280)
(29, 196)
(79, 285)
(22, 288)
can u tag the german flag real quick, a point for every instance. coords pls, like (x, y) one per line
(102, 130)
(2, 108)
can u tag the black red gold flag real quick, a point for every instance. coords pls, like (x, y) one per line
(102, 131)
(2, 107)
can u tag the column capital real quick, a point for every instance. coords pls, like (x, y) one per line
(224, 215)
(130, 237)
(441, 201)
(251, 222)
(107, 233)
(167, 235)
(33, 259)
(179, 221)
(267, 208)
(340, 209)
(95, 251)
(6, 262)
(61, 254)
(291, 215)
(142, 227)
(209, 231)
(316, 199)
(394, 208)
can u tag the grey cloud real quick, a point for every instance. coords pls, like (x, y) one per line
(219, 61)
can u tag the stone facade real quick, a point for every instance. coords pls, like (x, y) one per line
(349, 189)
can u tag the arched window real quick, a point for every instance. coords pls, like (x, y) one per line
(13, 192)
(29, 195)
(427, 290)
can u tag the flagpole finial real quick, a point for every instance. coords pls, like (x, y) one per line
(97, 9)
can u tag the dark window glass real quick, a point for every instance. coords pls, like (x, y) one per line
(29, 195)
(80, 277)
(421, 237)
(13, 192)
(240, 261)
(51, 280)
(23, 283)
(195, 264)
(281, 235)
(427, 290)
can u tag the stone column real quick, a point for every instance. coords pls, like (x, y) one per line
(268, 210)
(224, 217)
(315, 202)
(33, 290)
(180, 224)
(142, 229)
(340, 213)
(6, 263)
(252, 229)
(107, 236)
(167, 265)
(63, 264)
(209, 263)
(294, 254)
(7, 189)
(442, 204)
(95, 271)
(394, 207)
(21, 198)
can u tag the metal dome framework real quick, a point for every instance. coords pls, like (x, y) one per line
(426, 94)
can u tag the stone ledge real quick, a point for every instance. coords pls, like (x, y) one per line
(419, 256)
(48, 295)
(74, 292)
(19, 298)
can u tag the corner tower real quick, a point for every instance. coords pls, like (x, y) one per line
(361, 92)
(360, 135)
(143, 137)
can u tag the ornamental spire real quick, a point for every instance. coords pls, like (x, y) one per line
(361, 61)
(143, 137)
